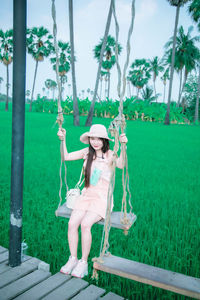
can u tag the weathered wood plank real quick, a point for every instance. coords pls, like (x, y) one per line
(18, 272)
(92, 292)
(67, 290)
(4, 267)
(65, 212)
(3, 257)
(45, 287)
(175, 282)
(112, 296)
(2, 249)
(23, 284)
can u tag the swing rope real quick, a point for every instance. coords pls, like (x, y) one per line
(116, 125)
(60, 118)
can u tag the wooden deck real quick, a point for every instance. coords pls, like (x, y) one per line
(32, 280)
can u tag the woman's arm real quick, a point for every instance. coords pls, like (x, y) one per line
(65, 155)
(120, 160)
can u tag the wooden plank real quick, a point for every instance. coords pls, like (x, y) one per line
(92, 292)
(3, 257)
(45, 287)
(23, 284)
(4, 267)
(2, 249)
(67, 290)
(175, 282)
(65, 212)
(112, 296)
(18, 272)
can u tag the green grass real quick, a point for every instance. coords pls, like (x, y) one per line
(164, 167)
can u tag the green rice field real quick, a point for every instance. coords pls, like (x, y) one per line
(164, 167)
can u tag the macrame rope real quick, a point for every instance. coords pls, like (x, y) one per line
(118, 124)
(60, 112)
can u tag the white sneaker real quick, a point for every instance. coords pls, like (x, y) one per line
(81, 269)
(69, 266)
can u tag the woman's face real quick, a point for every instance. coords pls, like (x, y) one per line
(96, 143)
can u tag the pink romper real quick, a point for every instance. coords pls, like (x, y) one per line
(94, 197)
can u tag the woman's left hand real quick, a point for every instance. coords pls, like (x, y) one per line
(123, 138)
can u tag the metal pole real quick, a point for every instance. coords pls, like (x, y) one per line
(18, 118)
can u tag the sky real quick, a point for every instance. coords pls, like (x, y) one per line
(153, 26)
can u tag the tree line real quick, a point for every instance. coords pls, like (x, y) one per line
(181, 54)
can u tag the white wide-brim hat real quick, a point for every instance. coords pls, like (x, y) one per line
(96, 130)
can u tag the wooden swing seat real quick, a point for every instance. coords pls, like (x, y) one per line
(168, 280)
(65, 212)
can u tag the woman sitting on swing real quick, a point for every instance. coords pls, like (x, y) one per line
(92, 203)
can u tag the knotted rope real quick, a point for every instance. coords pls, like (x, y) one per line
(116, 125)
(60, 118)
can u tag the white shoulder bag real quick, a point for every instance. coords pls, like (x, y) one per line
(72, 195)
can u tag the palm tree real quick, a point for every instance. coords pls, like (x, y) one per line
(39, 46)
(47, 84)
(1, 80)
(186, 55)
(178, 4)
(156, 66)
(139, 74)
(6, 50)
(75, 101)
(63, 81)
(91, 111)
(147, 94)
(63, 61)
(194, 10)
(53, 88)
(109, 56)
(28, 92)
(164, 79)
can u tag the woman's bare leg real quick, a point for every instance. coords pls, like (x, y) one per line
(73, 225)
(86, 238)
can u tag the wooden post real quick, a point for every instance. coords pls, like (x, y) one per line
(18, 117)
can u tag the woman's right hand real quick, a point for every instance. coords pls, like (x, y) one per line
(61, 134)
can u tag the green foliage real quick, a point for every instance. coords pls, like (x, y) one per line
(133, 109)
(190, 95)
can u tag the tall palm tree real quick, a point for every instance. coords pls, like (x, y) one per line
(156, 66)
(39, 45)
(177, 4)
(53, 88)
(164, 79)
(91, 111)
(28, 92)
(194, 10)
(63, 62)
(75, 101)
(6, 50)
(47, 84)
(109, 56)
(186, 55)
(139, 74)
(1, 80)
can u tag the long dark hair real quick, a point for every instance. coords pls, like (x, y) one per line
(91, 157)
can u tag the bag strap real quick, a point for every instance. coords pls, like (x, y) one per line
(80, 182)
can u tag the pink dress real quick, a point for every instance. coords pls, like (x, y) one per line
(94, 197)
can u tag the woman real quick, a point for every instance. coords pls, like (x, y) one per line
(91, 206)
